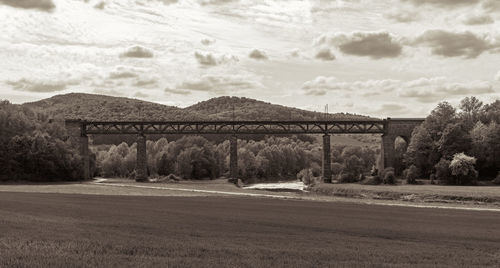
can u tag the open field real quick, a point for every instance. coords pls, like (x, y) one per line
(62, 230)
(468, 195)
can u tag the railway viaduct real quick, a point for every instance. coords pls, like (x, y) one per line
(389, 128)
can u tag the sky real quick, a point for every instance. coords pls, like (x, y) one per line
(384, 58)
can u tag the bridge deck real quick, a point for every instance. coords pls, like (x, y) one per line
(234, 127)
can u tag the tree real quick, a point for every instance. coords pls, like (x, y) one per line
(471, 108)
(411, 174)
(443, 172)
(422, 151)
(165, 165)
(455, 139)
(462, 168)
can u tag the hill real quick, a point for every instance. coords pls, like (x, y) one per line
(107, 108)
(224, 108)
(101, 107)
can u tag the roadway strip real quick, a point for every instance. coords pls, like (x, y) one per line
(366, 202)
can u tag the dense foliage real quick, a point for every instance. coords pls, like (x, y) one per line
(195, 157)
(100, 107)
(467, 137)
(32, 147)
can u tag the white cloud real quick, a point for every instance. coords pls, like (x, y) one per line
(209, 59)
(421, 90)
(220, 84)
(39, 86)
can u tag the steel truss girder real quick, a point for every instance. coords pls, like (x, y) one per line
(233, 127)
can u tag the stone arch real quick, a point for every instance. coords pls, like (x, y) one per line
(394, 128)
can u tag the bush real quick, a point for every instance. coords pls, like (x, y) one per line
(307, 177)
(462, 169)
(346, 178)
(411, 174)
(388, 176)
(497, 179)
(443, 172)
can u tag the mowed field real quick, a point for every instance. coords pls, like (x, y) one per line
(73, 230)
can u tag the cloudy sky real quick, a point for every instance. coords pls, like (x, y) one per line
(382, 58)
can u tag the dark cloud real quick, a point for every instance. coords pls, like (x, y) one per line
(207, 59)
(376, 45)
(478, 19)
(325, 54)
(216, 2)
(24, 84)
(122, 75)
(207, 42)
(152, 82)
(45, 5)
(137, 52)
(258, 55)
(222, 84)
(443, 3)
(100, 5)
(177, 91)
(451, 44)
(491, 5)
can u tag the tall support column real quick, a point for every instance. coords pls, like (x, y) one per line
(327, 160)
(233, 159)
(387, 152)
(84, 153)
(142, 159)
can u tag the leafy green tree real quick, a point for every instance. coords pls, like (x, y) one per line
(471, 108)
(462, 169)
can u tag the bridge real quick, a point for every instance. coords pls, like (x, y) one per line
(390, 128)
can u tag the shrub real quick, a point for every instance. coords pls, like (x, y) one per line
(308, 177)
(497, 179)
(346, 178)
(411, 174)
(462, 169)
(443, 172)
(388, 176)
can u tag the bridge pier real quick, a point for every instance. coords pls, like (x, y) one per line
(142, 159)
(387, 152)
(84, 153)
(233, 159)
(327, 160)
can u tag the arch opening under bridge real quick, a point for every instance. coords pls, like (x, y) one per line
(390, 128)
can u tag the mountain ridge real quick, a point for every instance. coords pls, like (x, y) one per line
(102, 107)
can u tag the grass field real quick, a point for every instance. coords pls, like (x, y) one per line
(72, 230)
(470, 195)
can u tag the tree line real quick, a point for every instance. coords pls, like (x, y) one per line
(34, 147)
(456, 146)
(195, 157)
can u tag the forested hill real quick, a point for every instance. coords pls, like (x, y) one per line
(249, 109)
(101, 107)
(108, 108)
